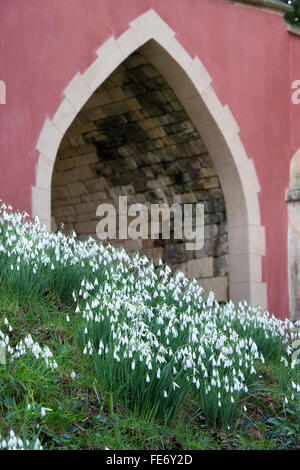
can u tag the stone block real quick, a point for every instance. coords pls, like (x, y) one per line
(77, 188)
(85, 227)
(98, 196)
(98, 184)
(98, 99)
(117, 94)
(81, 173)
(198, 268)
(220, 265)
(63, 211)
(60, 192)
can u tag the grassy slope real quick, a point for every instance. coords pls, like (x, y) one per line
(83, 418)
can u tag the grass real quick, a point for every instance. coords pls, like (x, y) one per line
(105, 352)
(81, 417)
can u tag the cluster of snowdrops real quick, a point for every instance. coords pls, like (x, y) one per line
(152, 336)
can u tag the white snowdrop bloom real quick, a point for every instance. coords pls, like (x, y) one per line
(245, 408)
(73, 375)
(175, 385)
(165, 394)
(147, 378)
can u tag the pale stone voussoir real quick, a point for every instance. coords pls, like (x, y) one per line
(150, 26)
(78, 92)
(183, 87)
(128, 43)
(64, 116)
(110, 54)
(237, 150)
(41, 203)
(44, 172)
(180, 55)
(49, 140)
(249, 177)
(227, 123)
(257, 240)
(96, 74)
(208, 95)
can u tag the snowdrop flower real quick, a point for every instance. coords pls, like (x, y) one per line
(175, 385)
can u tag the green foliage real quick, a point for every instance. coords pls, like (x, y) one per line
(293, 17)
(103, 350)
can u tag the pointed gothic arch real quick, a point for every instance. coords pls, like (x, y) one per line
(215, 123)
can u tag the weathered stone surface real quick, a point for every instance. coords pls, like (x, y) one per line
(200, 268)
(220, 265)
(64, 211)
(97, 184)
(82, 173)
(134, 138)
(294, 257)
(78, 188)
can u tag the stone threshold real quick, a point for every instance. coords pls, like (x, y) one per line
(266, 4)
(293, 29)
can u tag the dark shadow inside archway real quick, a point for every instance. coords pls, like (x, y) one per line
(133, 138)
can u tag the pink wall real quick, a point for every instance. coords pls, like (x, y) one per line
(249, 54)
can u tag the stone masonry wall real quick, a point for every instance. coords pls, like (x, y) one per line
(133, 138)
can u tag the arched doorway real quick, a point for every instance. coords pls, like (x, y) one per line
(133, 138)
(191, 84)
(293, 200)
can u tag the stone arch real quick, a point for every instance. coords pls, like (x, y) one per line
(192, 85)
(293, 200)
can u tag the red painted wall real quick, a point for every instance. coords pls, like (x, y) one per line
(248, 52)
